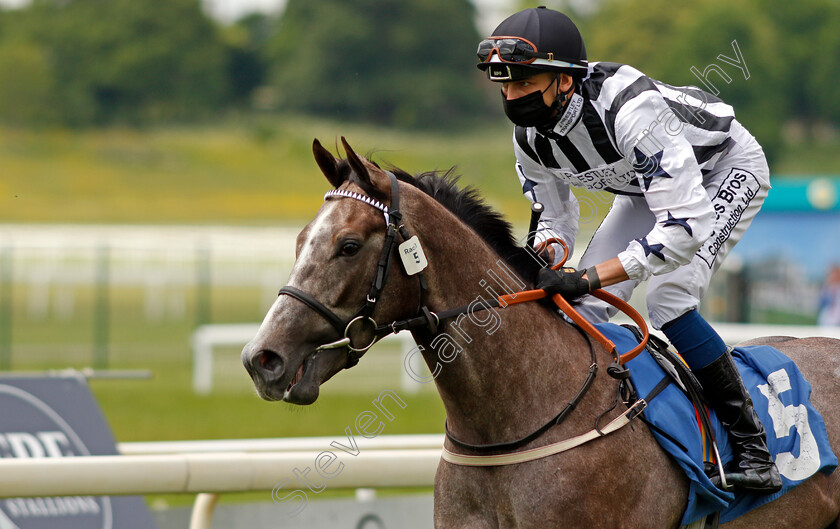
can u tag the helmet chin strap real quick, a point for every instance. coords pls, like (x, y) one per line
(558, 106)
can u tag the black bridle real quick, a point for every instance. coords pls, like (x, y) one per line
(364, 315)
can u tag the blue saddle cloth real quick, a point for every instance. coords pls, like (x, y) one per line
(796, 434)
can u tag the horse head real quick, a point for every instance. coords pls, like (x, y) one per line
(327, 319)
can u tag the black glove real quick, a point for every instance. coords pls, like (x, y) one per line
(567, 282)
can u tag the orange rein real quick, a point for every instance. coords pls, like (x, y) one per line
(566, 307)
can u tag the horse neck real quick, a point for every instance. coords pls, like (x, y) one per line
(501, 373)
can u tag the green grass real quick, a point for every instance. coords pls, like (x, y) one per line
(233, 173)
(166, 408)
(250, 171)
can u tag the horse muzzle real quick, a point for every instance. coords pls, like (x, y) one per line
(294, 378)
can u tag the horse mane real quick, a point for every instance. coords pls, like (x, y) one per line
(467, 204)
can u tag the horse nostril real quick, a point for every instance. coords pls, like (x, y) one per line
(270, 361)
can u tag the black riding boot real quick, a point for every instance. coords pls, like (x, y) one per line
(753, 469)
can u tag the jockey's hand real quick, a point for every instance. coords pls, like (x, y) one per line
(548, 254)
(567, 282)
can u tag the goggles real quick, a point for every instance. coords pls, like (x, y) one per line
(510, 49)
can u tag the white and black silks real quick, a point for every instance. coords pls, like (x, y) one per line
(670, 155)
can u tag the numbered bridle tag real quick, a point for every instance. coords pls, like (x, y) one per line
(413, 259)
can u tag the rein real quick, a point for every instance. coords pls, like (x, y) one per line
(430, 321)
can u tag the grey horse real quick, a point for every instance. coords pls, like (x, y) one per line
(500, 385)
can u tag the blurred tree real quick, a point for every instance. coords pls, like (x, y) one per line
(123, 60)
(247, 67)
(396, 62)
(666, 39)
(576, 9)
(810, 50)
(26, 84)
(823, 66)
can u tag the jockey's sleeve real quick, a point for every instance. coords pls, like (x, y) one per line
(651, 137)
(560, 216)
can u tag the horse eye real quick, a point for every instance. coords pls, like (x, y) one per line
(350, 248)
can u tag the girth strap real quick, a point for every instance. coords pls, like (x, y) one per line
(544, 451)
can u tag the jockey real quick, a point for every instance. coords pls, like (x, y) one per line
(687, 177)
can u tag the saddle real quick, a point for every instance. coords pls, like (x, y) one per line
(678, 374)
(695, 439)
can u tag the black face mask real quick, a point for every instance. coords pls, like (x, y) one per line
(531, 110)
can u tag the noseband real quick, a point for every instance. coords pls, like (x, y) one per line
(364, 315)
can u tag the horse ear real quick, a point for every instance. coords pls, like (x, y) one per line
(356, 163)
(326, 161)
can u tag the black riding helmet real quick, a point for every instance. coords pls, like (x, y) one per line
(533, 39)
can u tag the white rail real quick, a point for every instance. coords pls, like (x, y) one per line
(286, 444)
(209, 474)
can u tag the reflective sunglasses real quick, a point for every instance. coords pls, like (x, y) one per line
(510, 49)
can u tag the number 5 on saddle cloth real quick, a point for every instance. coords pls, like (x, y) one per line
(796, 434)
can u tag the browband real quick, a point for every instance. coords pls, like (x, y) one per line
(358, 196)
